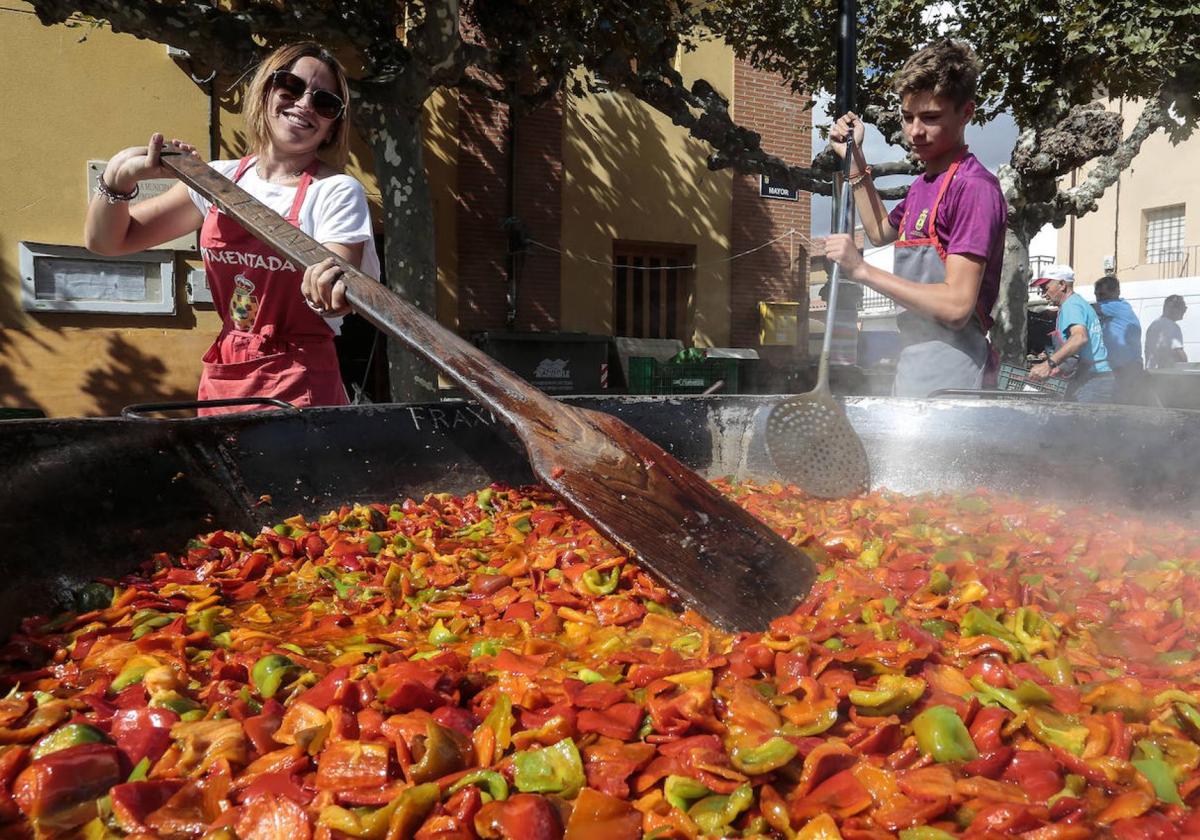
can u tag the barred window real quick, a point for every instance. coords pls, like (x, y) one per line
(651, 289)
(1163, 234)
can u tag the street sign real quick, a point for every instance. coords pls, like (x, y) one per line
(769, 189)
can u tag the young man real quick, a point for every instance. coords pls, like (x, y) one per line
(1122, 339)
(1164, 338)
(948, 230)
(1077, 334)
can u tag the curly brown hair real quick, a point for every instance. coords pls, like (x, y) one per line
(336, 147)
(946, 68)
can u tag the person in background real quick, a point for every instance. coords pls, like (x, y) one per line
(1164, 338)
(1122, 339)
(948, 230)
(278, 320)
(1077, 333)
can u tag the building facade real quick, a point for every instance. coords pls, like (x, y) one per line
(621, 230)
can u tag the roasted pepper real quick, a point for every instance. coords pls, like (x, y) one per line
(599, 583)
(768, 756)
(445, 752)
(1157, 772)
(1054, 729)
(682, 791)
(715, 814)
(496, 785)
(892, 693)
(407, 811)
(554, 769)
(68, 735)
(942, 735)
(271, 671)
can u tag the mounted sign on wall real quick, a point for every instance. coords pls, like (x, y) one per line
(773, 189)
(66, 278)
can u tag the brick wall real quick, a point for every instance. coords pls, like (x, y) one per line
(762, 103)
(483, 171)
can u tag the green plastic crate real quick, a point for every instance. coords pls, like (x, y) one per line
(650, 376)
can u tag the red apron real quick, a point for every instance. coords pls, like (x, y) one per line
(271, 343)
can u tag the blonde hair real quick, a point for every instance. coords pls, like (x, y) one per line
(336, 147)
(946, 68)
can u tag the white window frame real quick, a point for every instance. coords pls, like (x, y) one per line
(32, 252)
(1168, 245)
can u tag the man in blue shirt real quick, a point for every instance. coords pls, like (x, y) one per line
(1122, 339)
(1078, 334)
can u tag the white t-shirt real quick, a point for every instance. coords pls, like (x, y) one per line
(334, 210)
(1163, 337)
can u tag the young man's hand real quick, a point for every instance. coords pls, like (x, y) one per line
(840, 130)
(840, 248)
(1041, 372)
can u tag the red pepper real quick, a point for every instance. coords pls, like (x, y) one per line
(1037, 773)
(143, 732)
(985, 728)
(1121, 743)
(329, 690)
(990, 764)
(57, 789)
(525, 816)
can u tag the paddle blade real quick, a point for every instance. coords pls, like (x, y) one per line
(814, 446)
(718, 559)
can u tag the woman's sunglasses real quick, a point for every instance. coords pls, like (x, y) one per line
(326, 104)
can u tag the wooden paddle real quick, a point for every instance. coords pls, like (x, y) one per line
(716, 557)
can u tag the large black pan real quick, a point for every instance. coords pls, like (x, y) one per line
(87, 498)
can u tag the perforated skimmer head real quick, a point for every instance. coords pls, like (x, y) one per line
(814, 446)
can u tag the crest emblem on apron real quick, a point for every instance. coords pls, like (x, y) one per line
(920, 224)
(243, 305)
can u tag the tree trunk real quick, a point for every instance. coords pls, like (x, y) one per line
(1009, 332)
(410, 262)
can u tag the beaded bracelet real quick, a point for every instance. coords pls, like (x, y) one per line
(855, 180)
(112, 195)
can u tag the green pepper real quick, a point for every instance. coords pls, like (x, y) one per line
(270, 672)
(404, 814)
(440, 635)
(500, 720)
(937, 627)
(97, 829)
(179, 704)
(714, 814)
(834, 643)
(978, 623)
(68, 735)
(206, 621)
(148, 620)
(688, 644)
(939, 582)
(1189, 719)
(554, 769)
(1058, 670)
(484, 498)
(590, 677)
(1073, 786)
(140, 770)
(522, 524)
(892, 693)
(1157, 772)
(826, 717)
(889, 605)
(767, 756)
(598, 583)
(484, 647)
(925, 832)
(1028, 693)
(132, 672)
(374, 543)
(445, 753)
(1054, 729)
(942, 735)
(402, 544)
(826, 576)
(1175, 657)
(871, 554)
(94, 596)
(497, 785)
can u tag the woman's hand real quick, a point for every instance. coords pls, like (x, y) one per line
(130, 166)
(840, 248)
(323, 289)
(841, 129)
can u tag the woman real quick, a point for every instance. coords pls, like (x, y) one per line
(278, 322)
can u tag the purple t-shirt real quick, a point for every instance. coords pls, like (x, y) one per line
(970, 220)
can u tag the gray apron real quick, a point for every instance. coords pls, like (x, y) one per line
(934, 356)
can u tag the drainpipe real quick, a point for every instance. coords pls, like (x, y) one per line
(1117, 196)
(512, 225)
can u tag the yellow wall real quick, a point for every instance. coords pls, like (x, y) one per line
(72, 94)
(629, 173)
(1161, 175)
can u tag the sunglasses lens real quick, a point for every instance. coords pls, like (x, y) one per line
(326, 104)
(289, 84)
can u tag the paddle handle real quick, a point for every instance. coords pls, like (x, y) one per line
(845, 219)
(513, 399)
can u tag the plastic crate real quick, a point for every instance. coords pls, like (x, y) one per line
(1016, 378)
(650, 376)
